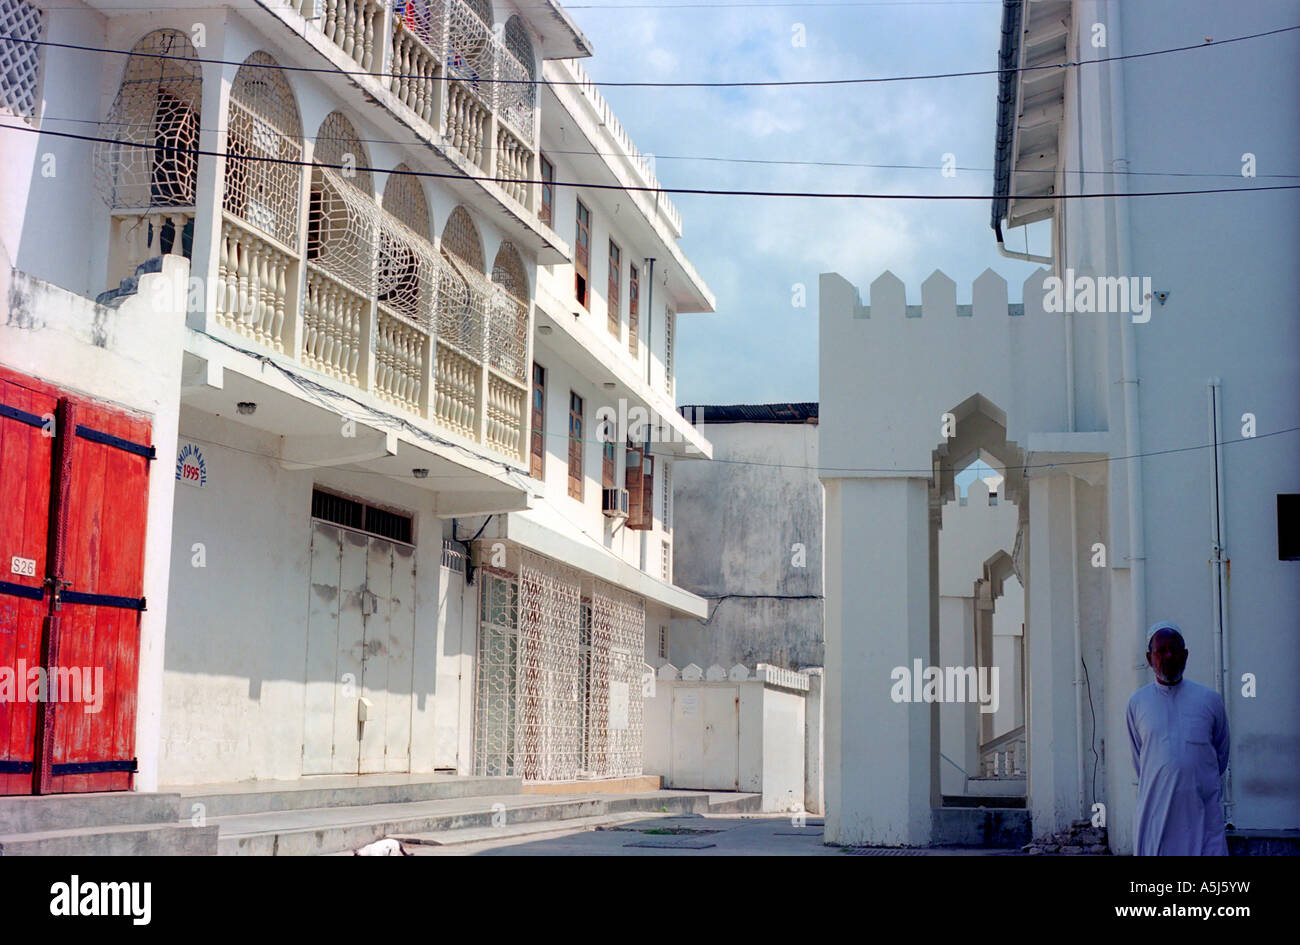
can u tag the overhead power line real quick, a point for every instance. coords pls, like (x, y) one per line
(627, 188)
(772, 83)
(780, 162)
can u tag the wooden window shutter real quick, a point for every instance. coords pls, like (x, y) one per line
(582, 254)
(614, 306)
(608, 465)
(537, 451)
(633, 481)
(648, 493)
(575, 446)
(546, 214)
(633, 302)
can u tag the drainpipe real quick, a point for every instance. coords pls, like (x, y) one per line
(1128, 346)
(649, 315)
(1220, 564)
(1012, 254)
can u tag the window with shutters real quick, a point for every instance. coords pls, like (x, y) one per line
(639, 481)
(608, 464)
(582, 255)
(670, 325)
(632, 483)
(537, 446)
(633, 303)
(546, 214)
(575, 446)
(613, 307)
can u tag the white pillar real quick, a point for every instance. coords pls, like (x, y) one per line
(1050, 657)
(878, 616)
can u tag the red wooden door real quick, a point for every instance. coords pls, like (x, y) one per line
(26, 448)
(81, 735)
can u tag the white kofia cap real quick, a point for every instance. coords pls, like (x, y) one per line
(1163, 625)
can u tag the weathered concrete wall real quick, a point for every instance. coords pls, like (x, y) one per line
(236, 655)
(750, 523)
(127, 354)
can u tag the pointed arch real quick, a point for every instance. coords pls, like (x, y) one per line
(508, 327)
(404, 199)
(264, 122)
(460, 238)
(338, 144)
(158, 105)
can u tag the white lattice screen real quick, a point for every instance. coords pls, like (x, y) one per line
(618, 635)
(20, 62)
(263, 123)
(515, 95)
(508, 321)
(342, 230)
(463, 289)
(158, 105)
(559, 686)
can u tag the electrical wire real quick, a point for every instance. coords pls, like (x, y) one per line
(784, 162)
(770, 83)
(626, 188)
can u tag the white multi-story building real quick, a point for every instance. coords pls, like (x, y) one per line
(377, 289)
(1141, 404)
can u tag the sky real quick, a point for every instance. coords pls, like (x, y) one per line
(758, 347)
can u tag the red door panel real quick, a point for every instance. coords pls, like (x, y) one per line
(26, 452)
(102, 494)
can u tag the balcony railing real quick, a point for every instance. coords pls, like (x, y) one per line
(428, 336)
(1004, 756)
(445, 64)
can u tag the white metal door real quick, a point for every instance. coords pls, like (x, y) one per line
(360, 646)
(452, 672)
(705, 738)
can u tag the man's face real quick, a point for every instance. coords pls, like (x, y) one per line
(1167, 656)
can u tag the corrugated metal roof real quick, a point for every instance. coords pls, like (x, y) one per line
(750, 413)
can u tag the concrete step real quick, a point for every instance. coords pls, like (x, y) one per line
(254, 797)
(464, 835)
(310, 832)
(35, 813)
(993, 801)
(988, 827)
(170, 839)
(997, 787)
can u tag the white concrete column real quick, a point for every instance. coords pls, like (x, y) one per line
(878, 616)
(813, 792)
(1050, 657)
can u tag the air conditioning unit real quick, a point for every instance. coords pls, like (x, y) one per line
(613, 502)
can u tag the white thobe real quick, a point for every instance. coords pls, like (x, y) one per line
(1179, 738)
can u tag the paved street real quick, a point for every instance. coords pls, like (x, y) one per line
(698, 835)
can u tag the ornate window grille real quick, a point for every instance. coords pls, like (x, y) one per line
(20, 62)
(508, 327)
(495, 717)
(263, 122)
(153, 127)
(559, 686)
(463, 289)
(342, 219)
(469, 41)
(408, 264)
(515, 94)
(427, 19)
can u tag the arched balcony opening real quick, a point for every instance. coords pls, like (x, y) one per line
(507, 350)
(146, 166)
(469, 60)
(463, 294)
(515, 100)
(406, 288)
(259, 245)
(341, 246)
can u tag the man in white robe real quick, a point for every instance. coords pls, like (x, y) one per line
(1178, 732)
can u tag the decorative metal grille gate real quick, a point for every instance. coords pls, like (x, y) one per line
(559, 683)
